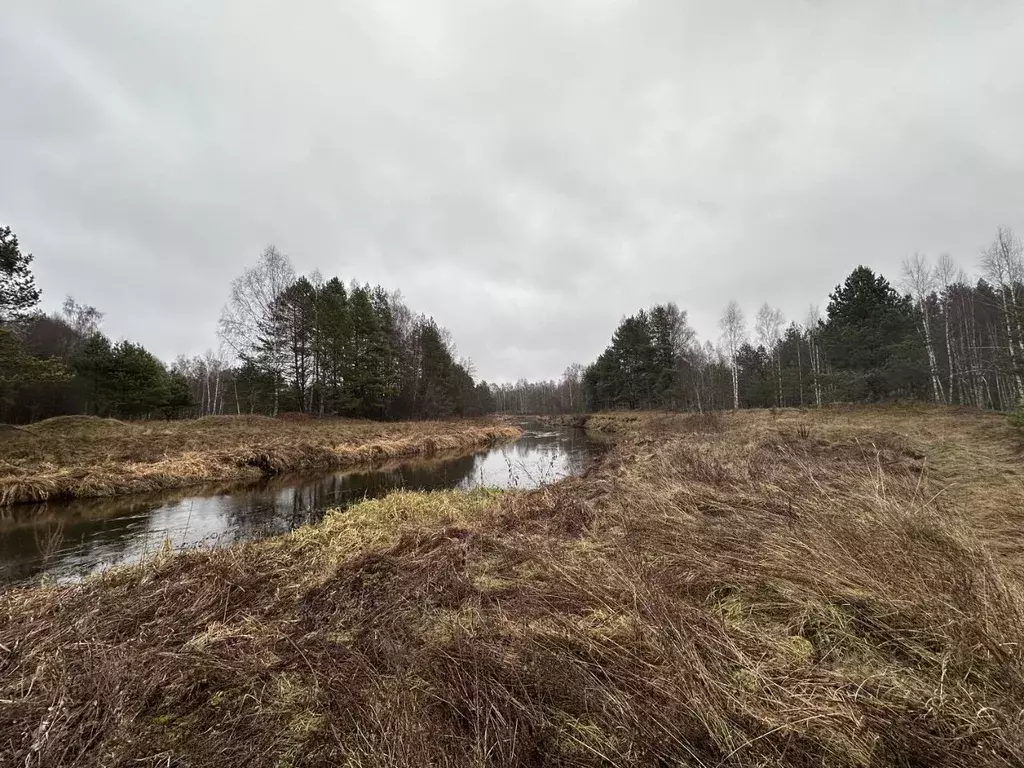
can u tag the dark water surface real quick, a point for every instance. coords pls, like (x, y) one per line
(70, 539)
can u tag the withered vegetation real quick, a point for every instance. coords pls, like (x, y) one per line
(800, 589)
(83, 456)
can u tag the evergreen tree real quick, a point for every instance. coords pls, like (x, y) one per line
(138, 383)
(390, 371)
(757, 386)
(18, 292)
(335, 345)
(484, 402)
(93, 365)
(295, 316)
(870, 339)
(21, 371)
(434, 392)
(368, 384)
(662, 333)
(178, 399)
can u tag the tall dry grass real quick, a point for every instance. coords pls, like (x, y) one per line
(81, 456)
(803, 590)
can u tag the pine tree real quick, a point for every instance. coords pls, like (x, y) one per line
(21, 371)
(433, 395)
(18, 292)
(367, 374)
(870, 339)
(138, 381)
(296, 313)
(93, 365)
(335, 340)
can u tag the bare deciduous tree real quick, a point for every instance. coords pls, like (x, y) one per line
(572, 386)
(945, 275)
(734, 333)
(1003, 264)
(247, 322)
(812, 321)
(919, 280)
(768, 327)
(84, 319)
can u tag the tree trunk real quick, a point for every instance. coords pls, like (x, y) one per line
(815, 369)
(933, 367)
(1013, 356)
(800, 371)
(949, 356)
(735, 385)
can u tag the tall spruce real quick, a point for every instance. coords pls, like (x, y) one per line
(870, 339)
(18, 292)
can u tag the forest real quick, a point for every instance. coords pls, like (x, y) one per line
(937, 336)
(288, 344)
(310, 345)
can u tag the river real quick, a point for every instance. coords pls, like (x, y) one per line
(68, 540)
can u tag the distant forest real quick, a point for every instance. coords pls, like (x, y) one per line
(289, 345)
(309, 345)
(940, 337)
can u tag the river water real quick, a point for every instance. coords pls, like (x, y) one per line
(65, 541)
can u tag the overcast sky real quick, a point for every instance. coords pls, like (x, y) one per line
(526, 172)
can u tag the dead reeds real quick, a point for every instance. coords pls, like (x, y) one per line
(80, 456)
(743, 593)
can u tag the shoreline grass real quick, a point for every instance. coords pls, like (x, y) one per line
(87, 457)
(794, 589)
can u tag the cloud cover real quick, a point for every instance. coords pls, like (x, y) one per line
(526, 172)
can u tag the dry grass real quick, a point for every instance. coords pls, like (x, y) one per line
(82, 456)
(797, 589)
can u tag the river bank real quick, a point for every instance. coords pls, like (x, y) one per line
(61, 541)
(82, 457)
(835, 588)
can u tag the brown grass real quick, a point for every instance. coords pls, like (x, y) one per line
(804, 589)
(83, 456)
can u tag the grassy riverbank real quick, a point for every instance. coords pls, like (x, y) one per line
(804, 589)
(76, 456)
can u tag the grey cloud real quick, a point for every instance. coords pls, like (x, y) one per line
(526, 172)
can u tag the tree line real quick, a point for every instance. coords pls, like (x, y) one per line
(939, 336)
(289, 344)
(62, 364)
(318, 346)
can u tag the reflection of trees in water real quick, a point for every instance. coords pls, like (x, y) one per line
(541, 459)
(279, 510)
(27, 551)
(576, 462)
(119, 529)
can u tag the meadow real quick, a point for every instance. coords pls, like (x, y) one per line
(798, 588)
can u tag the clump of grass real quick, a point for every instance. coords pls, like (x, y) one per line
(844, 605)
(707, 422)
(1017, 418)
(83, 456)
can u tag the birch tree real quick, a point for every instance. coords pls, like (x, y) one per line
(919, 280)
(1002, 265)
(768, 327)
(734, 332)
(249, 321)
(945, 275)
(812, 322)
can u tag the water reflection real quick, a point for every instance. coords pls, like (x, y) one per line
(68, 540)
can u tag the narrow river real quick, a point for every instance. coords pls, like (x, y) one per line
(68, 540)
